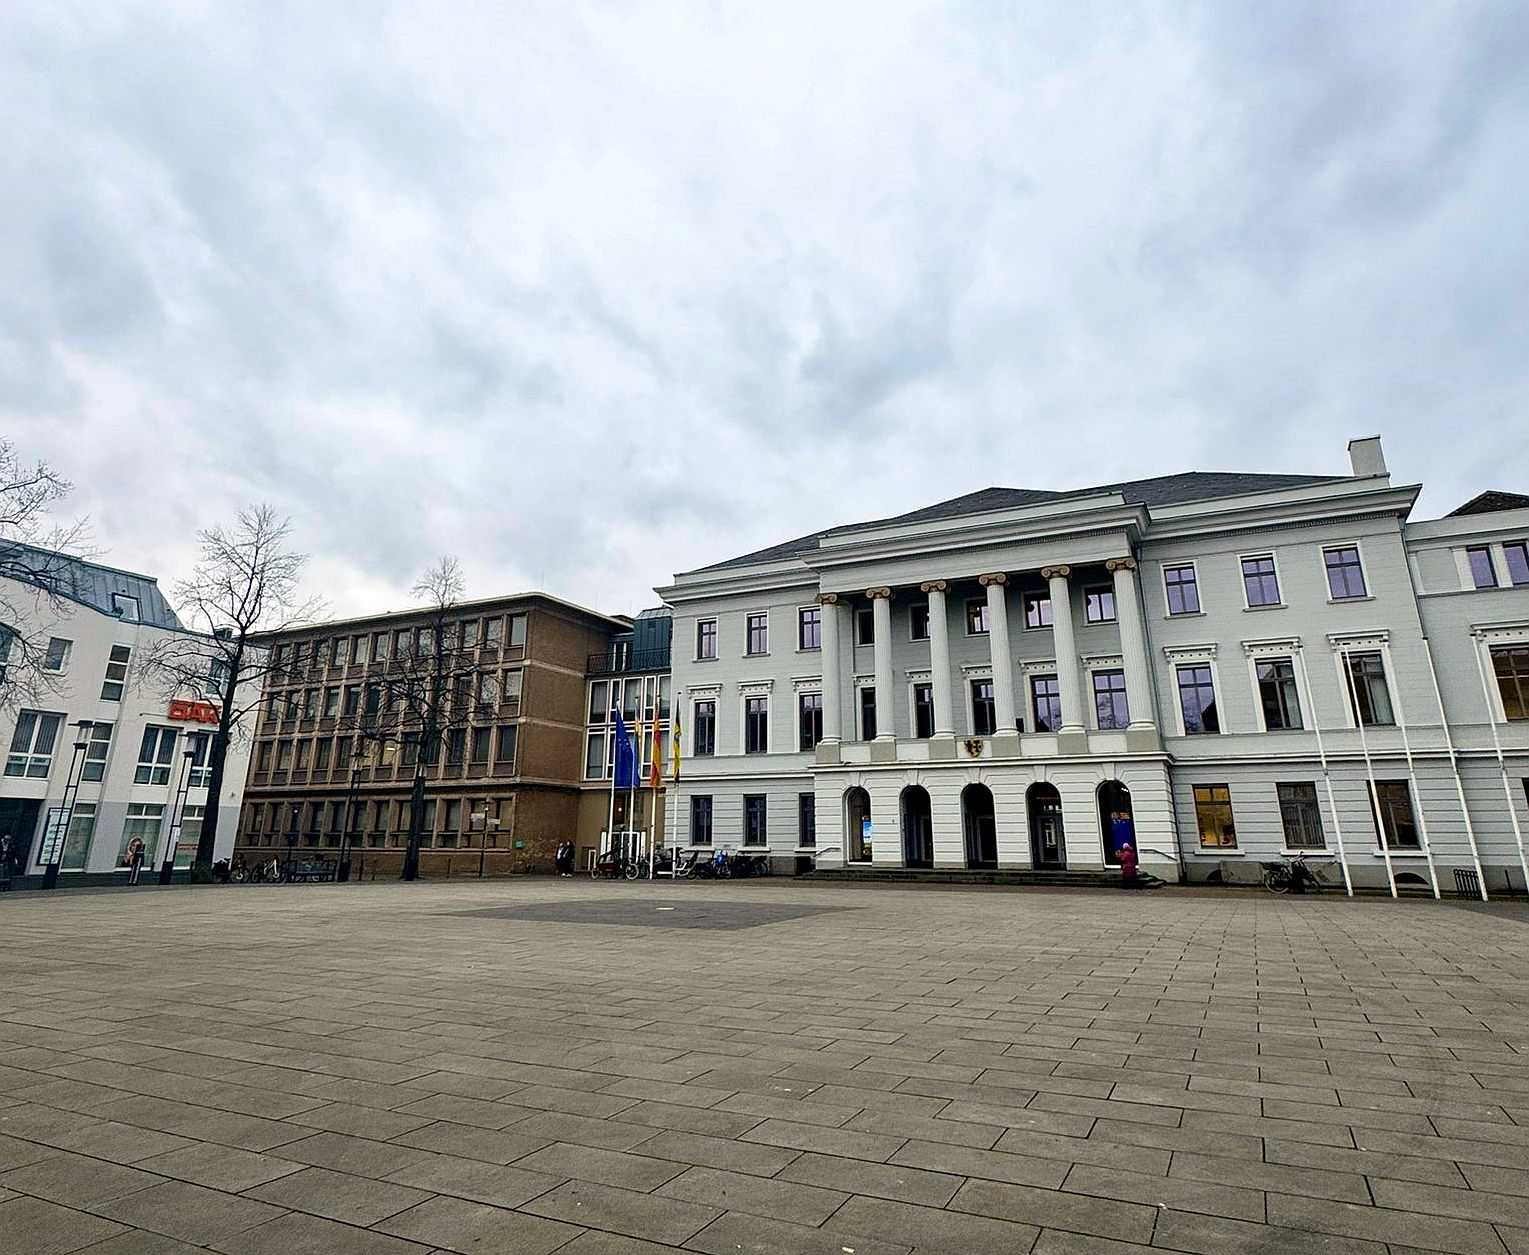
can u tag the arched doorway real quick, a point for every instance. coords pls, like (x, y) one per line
(1117, 822)
(979, 826)
(918, 827)
(1048, 848)
(857, 825)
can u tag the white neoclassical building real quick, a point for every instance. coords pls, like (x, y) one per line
(94, 755)
(1222, 668)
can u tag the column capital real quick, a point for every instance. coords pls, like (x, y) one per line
(1120, 564)
(827, 599)
(933, 586)
(1055, 572)
(877, 594)
(996, 577)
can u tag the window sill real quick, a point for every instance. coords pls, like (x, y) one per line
(1216, 853)
(1184, 614)
(803, 649)
(703, 660)
(1273, 605)
(1344, 601)
(1324, 853)
(765, 654)
(1395, 854)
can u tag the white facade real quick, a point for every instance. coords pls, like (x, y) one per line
(1248, 665)
(131, 770)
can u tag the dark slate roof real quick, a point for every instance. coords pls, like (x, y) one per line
(1187, 486)
(88, 583)
(1491, 502)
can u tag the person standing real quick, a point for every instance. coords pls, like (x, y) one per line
(135, 853)
(1128, 863)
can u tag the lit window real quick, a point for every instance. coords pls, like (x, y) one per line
(1213, 817)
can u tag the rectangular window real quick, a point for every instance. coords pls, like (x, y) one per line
(1394, 820)
(1260, 582)
(517, 636)
(1510, 664)
(116, 673)
(809, 720)
(1517, 554)
(1110, 707)
(599, 710)
(352, 705)
(703, 728)
(1037, 607)
(481, 739)
(331, 702)
(1213, 817)
(504, 759)
(809, 628)
(82, 828)
(56, 657)
(758, 633)
(865, 627)
(754, 819)
(1483, 570)
(705, 640)
(806, 820)
(918, 621)
(1278, 695)
(923, 711)
(125, 607)
(456, 746)
(1046, 703)
(867, 714)
(263, 757)
(984, 721)
(700, 819)
(379, 646)
(1301, 816)
(1197, 699)
(97, 746)
(493, 633)
(1369, 697)
(283, 756)
(756, 725)
(1345, 576)
(323, 755)
(1099, 605)
(594, 756)
(976, 617)
(303, 750)
(155, 755)
(32, 744)
(1182, 590)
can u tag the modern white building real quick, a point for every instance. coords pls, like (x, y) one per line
(89, 721)
(1223, 668)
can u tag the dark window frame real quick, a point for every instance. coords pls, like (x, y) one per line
(1099, 604)
(701, 814)
(1260, 585)
(705, 640)
(1300, 813)
(1181, 590)
(756, 724)
(923, 710)
(1279, 695)
(809, 720)
(984, 710)
(1344, 574)
(1205, 718)
(1114, 694)
(809, 628)
(703, 727)
(1209, 805)
(756, 821)
(1047, 689)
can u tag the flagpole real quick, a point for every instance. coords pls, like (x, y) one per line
(632, 786)
(610, 823)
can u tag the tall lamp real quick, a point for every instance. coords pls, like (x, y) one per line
(55, 839)
(342, 872)
(177, 814)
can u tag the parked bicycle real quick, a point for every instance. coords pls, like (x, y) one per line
(270, 873)
(1293, 875)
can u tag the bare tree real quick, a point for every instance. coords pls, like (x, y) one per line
(245, 587)
(434, 682)
(35, 552)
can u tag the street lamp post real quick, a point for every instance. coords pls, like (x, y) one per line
(177, 814)
(489, 825)
(60, 834)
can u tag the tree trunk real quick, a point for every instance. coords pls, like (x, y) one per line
(416, 826)
(217, 757)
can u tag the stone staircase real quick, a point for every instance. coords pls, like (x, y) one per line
(1026, 878)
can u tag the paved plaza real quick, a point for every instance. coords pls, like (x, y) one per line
(610, 1069)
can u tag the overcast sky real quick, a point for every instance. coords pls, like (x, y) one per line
(589, 294)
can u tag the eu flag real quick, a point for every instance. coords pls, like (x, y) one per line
(625, 756)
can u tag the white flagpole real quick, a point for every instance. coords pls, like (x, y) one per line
(610, 823)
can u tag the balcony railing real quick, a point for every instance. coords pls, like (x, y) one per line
(623, 662)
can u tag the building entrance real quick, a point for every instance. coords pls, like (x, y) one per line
(18, 819)
(918, 828)
(979, 826)
(1048, 846)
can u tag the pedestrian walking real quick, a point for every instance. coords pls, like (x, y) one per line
(1128, 862)
(134, 858)
(7, 853)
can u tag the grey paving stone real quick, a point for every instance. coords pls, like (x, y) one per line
(593, 1242)
(644, 1216)
(338, 1195)
(829, 1141)
(741, 1234)
(858, 1176)
(1436, 1171)
(1216, 1235)
(491, 1145)
(929, 1228)
(1412, 1228)
(219, 1167)
(1054, 1209)
(188, 1212)
(76, 1181)
(453, 1224)
(495, 1184)
(926, 1128)
(37, 1227)
(1346, 1187)
(607, 1167)
(991, 1165)
(141, 1242)
(1214, 1198)
(298, 1234)
(558, 1126)
(758, 1196)
(475, 1111)
(716, 1152)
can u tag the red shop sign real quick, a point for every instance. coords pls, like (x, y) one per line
(193, 712)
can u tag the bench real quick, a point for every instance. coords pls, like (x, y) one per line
(312, 869)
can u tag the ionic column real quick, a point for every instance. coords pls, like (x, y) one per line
(939, 658)
(999, 651)
(881, 614)
(1133, 642)
(833, 720)
(1069, 673)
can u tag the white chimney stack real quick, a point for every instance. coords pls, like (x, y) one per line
(1366, 457)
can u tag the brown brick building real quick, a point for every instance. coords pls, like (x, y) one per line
(337, 743)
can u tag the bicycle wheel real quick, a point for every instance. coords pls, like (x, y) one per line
(632, 870)
(1277, 880)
